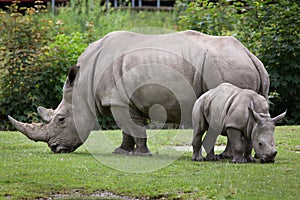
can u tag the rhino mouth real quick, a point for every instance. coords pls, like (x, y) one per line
(266, 158)
(56, 148)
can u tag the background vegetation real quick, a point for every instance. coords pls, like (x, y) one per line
(37, 48)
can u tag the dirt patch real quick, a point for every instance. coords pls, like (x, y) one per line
(96, 195)
(297, 149)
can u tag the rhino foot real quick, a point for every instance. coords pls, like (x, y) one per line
(239, 160)
(213, 158)
(137, 153)
(197, 158)
(120, 150)
(250, 159)
(225, 155)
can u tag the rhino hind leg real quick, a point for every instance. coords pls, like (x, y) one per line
(134, 132)
(141, 147)
(197, 153)
(127, 145)
(197, 145)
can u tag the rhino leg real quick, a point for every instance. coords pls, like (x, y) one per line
(197, 153)
(197, 146)
(211, 156)
(237, 145)
(227, 152)
(248, 150)
(134, 131)
(127, 145)
(141, 147)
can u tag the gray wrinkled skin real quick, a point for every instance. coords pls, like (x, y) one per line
(126, 74)
(242, 115)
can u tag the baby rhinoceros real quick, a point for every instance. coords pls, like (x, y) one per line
(242, 115)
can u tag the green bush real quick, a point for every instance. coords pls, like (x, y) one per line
(23, 40)
(270, 29)
(280, 52)
(208, 17)
(34, 62)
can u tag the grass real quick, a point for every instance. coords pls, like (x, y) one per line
(29, 170)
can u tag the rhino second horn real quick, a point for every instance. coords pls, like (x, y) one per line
(279, 118)
(34, 131)
(45, 114)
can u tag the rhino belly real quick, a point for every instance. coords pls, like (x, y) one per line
(159, 103)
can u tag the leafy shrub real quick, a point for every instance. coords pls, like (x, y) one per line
(214, 18)
(270, 29)
(34, 62)
(23, 40)
(280, 52)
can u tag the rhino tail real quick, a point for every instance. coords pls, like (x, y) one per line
(264, 76)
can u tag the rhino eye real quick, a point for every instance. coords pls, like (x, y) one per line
(260, 144)
(61, 120)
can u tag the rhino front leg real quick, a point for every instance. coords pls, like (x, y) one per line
(127, 145)
(248, 150)
(211, 156)
(237, 145)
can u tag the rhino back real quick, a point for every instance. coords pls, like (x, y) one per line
(216, 103)
(238, 115)
(229, 60)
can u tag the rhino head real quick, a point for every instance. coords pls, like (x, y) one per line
(58, 128)
(263, 135)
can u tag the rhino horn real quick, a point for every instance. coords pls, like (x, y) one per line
(34, 131)
(279, 118)
(45, 114)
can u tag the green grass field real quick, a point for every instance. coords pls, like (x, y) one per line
(30, 170)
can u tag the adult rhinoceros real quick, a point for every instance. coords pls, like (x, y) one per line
(136, 77)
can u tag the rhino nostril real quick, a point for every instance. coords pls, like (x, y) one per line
(274, 154)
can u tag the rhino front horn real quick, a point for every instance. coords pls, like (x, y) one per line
(34, 131)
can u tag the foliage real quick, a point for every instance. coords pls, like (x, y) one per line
(270, 29)
(36, 56)
(214, 18)
(63, 53)
(23, 40)
(280, 52)
(30, 171)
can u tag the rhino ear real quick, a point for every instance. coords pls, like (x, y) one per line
(73, 71)
(279, 118)
(255, 115)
